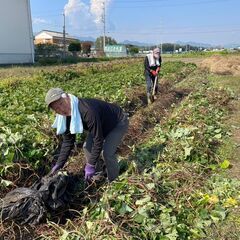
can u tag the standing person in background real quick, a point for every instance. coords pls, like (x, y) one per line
(152, 65)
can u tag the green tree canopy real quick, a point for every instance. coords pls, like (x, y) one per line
(133, 49)
(74, 46)
(46, 49)
(108, 41)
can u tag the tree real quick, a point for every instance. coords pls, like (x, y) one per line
(46, 50)
(86, 47)
(169, 47)
(133, 49)
(74, 47)
(108, 41)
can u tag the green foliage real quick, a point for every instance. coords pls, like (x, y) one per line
(133, 50)
(199, 139)
(46, 50)
(177, 193)
(170, 47)
(74, 46)
(176, 196)
(59, 76)
(225, 164)
(108, 41)
(200, 54)
(25, 125)
(58, 60)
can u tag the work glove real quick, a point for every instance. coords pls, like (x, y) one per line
(154, 73)
(89, 171)
(54, 169)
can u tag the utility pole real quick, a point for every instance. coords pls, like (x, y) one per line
(104, 25)
(64, 35)
(161, 29)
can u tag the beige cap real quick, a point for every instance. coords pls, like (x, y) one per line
(53, 95)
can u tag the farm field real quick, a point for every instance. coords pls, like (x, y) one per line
(179, 160)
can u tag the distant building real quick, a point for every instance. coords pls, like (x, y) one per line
(16, 42)
(51, 37)
(115, 51)
(145, 51)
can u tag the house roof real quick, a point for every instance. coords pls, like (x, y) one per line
(56, 34)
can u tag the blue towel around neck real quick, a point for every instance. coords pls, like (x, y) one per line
(76, 125)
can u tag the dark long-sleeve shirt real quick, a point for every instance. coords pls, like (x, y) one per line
(147, 68)
(99, 119)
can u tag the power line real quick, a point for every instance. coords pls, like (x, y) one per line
(130, 1)
(173, 5)
(64, 35)
(46, 13)
(139, 1)
(196, 27)
(177, 33)
(159, 1)
(104, 26)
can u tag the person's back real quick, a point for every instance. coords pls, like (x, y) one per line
(109, 114)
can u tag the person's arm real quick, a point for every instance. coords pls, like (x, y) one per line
(66, 147)
(95, 128)
(146, 65)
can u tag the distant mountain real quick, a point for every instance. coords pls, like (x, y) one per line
(83, 39)
(136, 43)
(195, 44)
(232, 45)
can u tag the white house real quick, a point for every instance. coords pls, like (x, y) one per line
(16, 35)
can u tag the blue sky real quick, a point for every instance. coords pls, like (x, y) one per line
(151, 21)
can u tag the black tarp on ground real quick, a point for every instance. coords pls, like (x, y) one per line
(30, 205)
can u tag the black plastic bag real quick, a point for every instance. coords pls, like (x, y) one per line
(30, 205)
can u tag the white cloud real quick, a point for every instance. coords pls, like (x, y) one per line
(84, 17)
(78, 15)
(75, 7)
(39, 21)
(97, 9)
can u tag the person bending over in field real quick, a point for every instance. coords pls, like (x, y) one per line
(105, 123)
(152, 65)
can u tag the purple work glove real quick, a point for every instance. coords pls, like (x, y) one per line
(54, 169)
(89, 171)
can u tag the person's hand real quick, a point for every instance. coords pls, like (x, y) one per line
(54, 170)
(89, 171)
(158, 70)
(154, 73)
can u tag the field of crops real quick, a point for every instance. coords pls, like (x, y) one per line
(175, 157)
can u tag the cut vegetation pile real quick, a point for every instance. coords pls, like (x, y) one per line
(223, 65)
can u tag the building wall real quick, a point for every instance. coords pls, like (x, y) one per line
(43, 38)
(16, 41)
(43, 41)
(115, 51)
